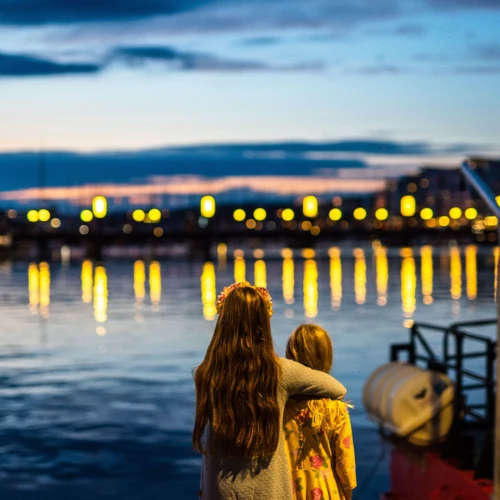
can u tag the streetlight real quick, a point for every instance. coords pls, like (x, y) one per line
(86, 215)
(287, 215)
(138, 215)
(43, 215)
(408, 206)
(32, 215)
(207, 207)
(359, 213)
(382, 214)
(310, 206)
(99, 207)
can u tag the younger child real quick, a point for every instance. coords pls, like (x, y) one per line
(318, 435)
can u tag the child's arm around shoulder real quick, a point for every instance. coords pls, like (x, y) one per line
(298, 379)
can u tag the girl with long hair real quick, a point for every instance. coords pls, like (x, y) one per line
(241, 390)
(318, 435)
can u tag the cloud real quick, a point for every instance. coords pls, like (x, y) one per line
(197, 61)
(379, 69)
(259, 41)
(469, 4)
(20, 65)
(36, 12)
(23, 65)
(202, 15)
(476, 69)
(487, 52)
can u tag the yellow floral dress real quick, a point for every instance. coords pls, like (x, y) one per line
(319, 445)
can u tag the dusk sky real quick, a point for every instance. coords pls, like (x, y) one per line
(131, 74)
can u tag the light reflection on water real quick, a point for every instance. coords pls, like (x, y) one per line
(103, 354)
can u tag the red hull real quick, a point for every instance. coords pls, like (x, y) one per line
(431, 478)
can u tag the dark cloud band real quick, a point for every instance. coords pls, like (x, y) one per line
(15, 65)
(37, 12)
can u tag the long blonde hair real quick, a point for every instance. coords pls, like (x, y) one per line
(237, 382)
(311, 346)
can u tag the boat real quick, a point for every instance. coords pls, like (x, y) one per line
(437, 412)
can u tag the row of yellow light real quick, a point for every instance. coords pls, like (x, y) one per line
(153, 215)
(95, 284)
(99, 209)
(407, 209)
(42, 215)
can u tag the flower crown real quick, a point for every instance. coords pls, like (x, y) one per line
(228, 289)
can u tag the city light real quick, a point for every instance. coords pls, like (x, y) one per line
(139, 281)
(55, 223)
(32, 215)
(33, 287)
(83, 229)
(306, 225)
(497, 199)
(426, 214)
(471, 213)
(258, 253)
(208, 291)
(491, 222)
(359, 213)
(288, 276)
(455, 273)
(455, 213)
(315, 230)
(310, 288)
(87, 281)
(308, 253)
(222, 255)
(471, 271)
(207, 207)
(44, 289)
(335, 277)
(138, 215)
(427, 273)
(86, 215)
(155, 282)
(158, 232)
(335, 214)
(359, 276)
(288, 214)
(100, 295)
(310, 206)
(444, 221)
(239, 266)
(382, 214)
(408, 283)
(154, 215)
(382, 268)
(239, 215)
(250, 223)
(408, 206)
(496, 255)
(99, 207)
(259, 214)
(260, 274)
(43, 215)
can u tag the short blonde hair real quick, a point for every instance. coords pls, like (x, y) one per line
(311, 346)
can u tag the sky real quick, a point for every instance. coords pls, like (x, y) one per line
(134, 74)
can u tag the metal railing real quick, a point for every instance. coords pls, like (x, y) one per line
(451, 358)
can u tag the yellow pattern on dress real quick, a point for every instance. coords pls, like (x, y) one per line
(320, 449)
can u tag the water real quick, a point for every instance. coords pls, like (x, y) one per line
(96, 363)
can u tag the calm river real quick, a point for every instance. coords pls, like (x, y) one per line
(96, 391)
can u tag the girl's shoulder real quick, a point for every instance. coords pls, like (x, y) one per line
(329, 414)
